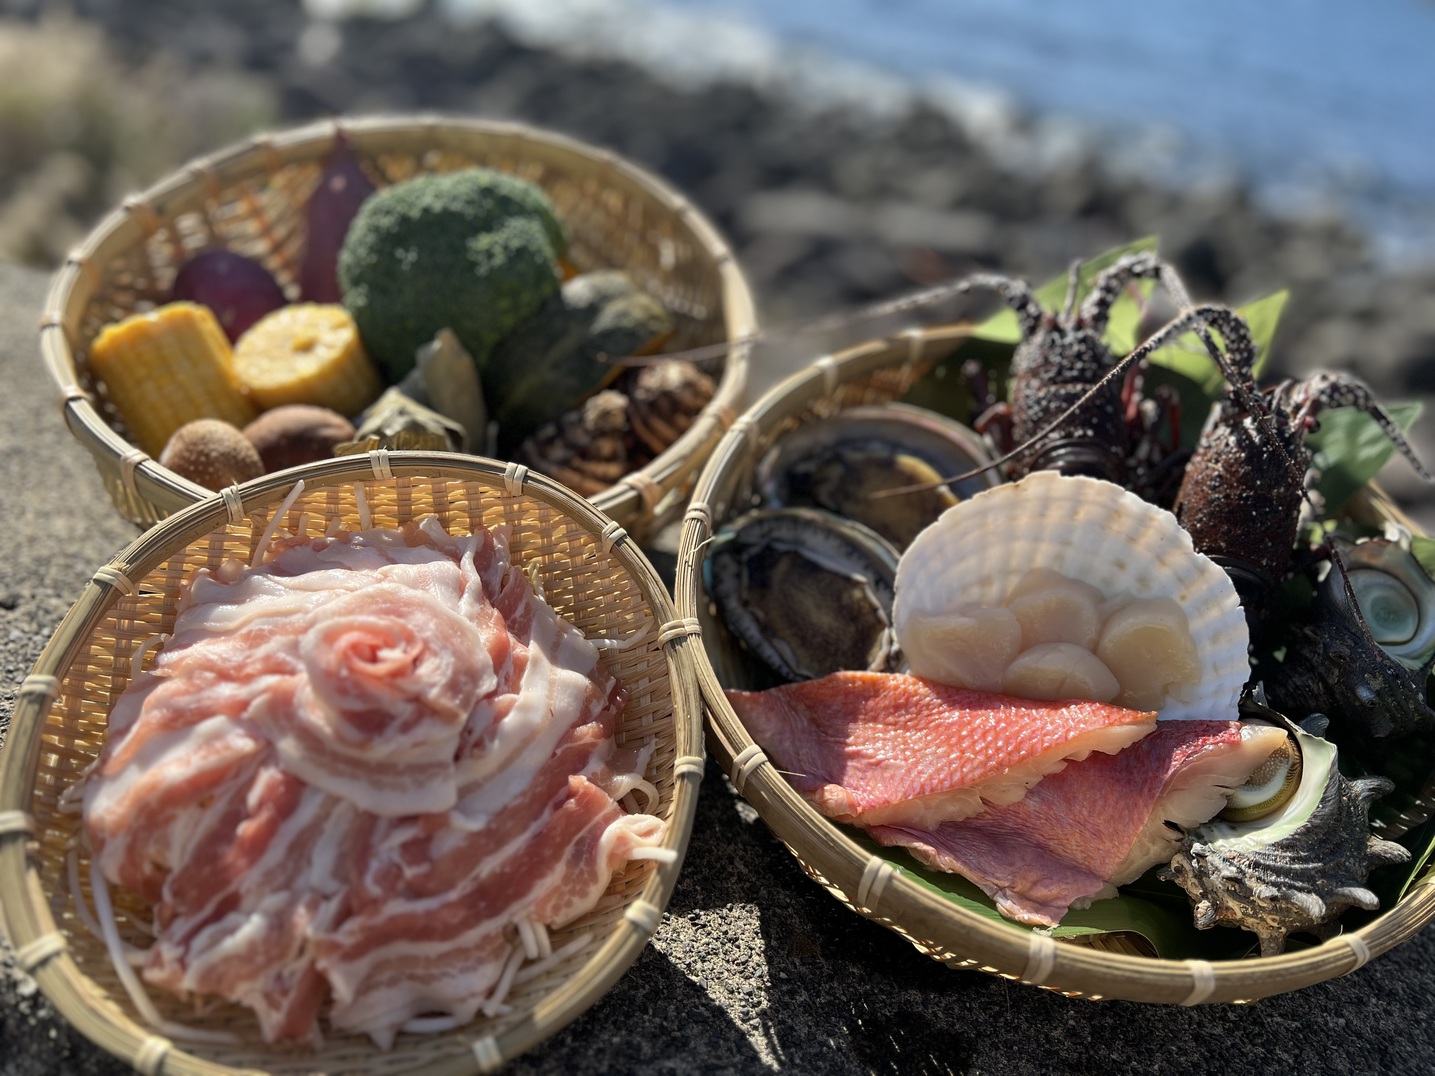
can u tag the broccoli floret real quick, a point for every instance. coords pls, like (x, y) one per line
(474, 251)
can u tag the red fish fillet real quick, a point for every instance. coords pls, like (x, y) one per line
(1097, 824)
(893, 749)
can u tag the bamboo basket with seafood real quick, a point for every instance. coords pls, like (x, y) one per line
(741, 574)
(269, 204)
(467, 545)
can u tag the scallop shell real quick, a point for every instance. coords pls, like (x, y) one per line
(1093, 531)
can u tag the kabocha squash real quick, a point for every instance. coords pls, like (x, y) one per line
(168, 367)
(307, 353)
(564, 353)
(474, 251)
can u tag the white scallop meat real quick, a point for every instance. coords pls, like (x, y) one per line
(1089, 530)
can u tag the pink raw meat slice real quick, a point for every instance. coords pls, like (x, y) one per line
(893, 749)
(353, 770)
(1097, 824)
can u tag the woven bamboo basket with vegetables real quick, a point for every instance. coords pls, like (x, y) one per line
(582, 564)
(253, 200)
(1142, 945)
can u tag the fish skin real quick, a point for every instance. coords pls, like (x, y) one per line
(895, 749)
(1071, 840)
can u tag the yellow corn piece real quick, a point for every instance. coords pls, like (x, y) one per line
(307, 353)
(168, 367)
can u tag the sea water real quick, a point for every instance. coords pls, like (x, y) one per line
(1316, 104)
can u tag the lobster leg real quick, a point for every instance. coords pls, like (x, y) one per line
(1113, 280)
(1319, 392)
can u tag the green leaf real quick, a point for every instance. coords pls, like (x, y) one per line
(1002, 327)
(1157, 911)
(1350, 448)
(1423, 550)
(1262, 316)
(1422, 845)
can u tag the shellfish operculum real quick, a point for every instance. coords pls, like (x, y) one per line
(808, 592)
(1113, 550)
(1299, 865)
(839, 463)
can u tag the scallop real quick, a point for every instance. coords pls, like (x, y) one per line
(1089, 530)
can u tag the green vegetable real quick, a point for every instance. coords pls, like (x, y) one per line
(561, 355)
(474, 251)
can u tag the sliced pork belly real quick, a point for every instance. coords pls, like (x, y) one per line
(352, 771)
(892, 749)
(1097, 824)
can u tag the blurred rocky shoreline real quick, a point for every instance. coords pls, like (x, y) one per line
(826, 208)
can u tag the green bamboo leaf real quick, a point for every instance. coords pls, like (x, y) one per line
(1350, 448)
(1262, 317)
(1423, 549)
(1158, 912)
(1422, 845)
(1002, 326)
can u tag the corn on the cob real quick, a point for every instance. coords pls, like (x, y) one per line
(307, 353)
(168, 367)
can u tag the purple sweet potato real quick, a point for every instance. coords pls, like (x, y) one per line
(342, 188)
(238, 289)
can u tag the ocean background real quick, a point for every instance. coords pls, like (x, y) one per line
(1318, 106)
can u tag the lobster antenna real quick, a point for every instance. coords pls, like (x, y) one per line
(1073, 281)
(1229, 324)
(1015, 292)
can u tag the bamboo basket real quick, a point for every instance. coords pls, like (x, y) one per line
(591, 572)
(250, 198)
(879, 372)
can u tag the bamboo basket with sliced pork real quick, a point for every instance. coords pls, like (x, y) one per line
(385, 764)
(888, 667)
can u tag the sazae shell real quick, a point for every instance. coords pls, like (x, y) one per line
(1089, 530)
(1297, 869)
(1367, 667)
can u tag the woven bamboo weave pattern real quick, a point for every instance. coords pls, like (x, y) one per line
(1109, 966)
(250, 199)
(589, 570)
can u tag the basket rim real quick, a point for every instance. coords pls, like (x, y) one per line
(140, 215)
(26, 914)
(871, 885)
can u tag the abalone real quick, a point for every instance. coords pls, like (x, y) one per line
(852, 462)
(807, 591)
